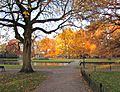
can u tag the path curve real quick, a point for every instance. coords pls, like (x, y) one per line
(66, 79)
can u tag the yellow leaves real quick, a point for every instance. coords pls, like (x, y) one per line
(26, 13)
(92, 47)
(29, 7)
(46, 46)
(71, 42)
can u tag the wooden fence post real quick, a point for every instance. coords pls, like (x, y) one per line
(110, 67)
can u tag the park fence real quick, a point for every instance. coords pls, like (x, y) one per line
(96, 87)
(101, 66)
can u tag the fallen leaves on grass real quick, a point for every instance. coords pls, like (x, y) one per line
(20, 82)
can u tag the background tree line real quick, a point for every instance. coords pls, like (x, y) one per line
(101, 42)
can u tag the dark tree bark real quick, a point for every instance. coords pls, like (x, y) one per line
(27, 67)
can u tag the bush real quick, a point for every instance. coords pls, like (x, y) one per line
(109, 58)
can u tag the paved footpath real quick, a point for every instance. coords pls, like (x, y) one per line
(66, 79)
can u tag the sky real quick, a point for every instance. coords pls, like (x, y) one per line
(47, 26)
(10, 35)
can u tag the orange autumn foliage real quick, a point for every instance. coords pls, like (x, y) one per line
(76, 43)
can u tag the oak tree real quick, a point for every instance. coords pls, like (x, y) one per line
(29, 16)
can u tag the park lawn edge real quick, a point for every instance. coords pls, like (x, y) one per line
(110, 80)
(52, 61)
(101, 60)
(21, 82)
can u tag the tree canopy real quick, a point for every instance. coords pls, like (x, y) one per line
(94, 10)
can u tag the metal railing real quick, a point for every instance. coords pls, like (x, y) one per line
(96, 87)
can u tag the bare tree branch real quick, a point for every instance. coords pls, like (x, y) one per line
(49, 32)
(8, 25)
(11, 21)
(52, 19)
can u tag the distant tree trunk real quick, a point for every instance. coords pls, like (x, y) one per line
(27, 67)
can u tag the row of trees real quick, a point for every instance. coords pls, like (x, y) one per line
(100, 42)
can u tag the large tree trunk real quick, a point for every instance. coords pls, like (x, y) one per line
(27, 67)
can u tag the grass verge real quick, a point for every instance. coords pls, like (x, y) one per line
(102, 60)
(7, 66)
(111, 80)
(20, 82)
(9, 59)
(53, 60)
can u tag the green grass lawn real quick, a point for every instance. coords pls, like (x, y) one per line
(69, 60)
(7, 66)
(10, 59)
(103, 60)
(100, 73)
(20, 82)
(109, 79)
(38, 61)
(53, 60)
